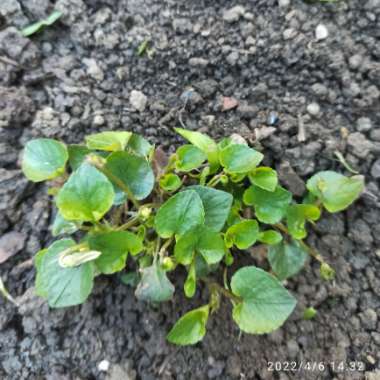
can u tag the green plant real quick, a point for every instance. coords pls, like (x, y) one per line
(194, 210)
(39, 25)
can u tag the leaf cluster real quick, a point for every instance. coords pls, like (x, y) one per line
(197, 212)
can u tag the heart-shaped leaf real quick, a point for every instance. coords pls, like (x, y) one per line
(243, 234)
(190, 328)
(265, 304)
(200, 239)
(270, 237)
(154, 285)
(133, 171)
(270, 206)
(217, 205)
(335, 191)
(179, 213)
(170, 182)
(189, 158)
(110, 141)
(63, 286)
(286, 259)
(77, 154)
(264, 177)
(204, 143)
(296, 217)
(114, 246)
(239, 158)
(86, 196)
(44, 159)
(139, 146)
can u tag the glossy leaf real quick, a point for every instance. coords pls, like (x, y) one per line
(189, 157)
(286, 259)
(270, 207)
(86, 196)
(239, 158)
(204, 143)
(110, 141)
(335, 191)
(170, 182)
(217, 205)
(77, 154)
(114, 246)
(44, 159)
(179, 214)
(39, 25)
(190, 328)
(134, 171)
(296, 217)
(264, 177)
(191, 281)
(270, 237)
(61, 226)
(154, 285)
(265, 304)
(64, 286)
(139, 145)
(202, 240)
(243, 234)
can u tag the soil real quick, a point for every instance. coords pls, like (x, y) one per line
(303, 98)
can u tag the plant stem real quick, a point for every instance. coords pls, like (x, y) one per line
(131, 222)
(100, 166)
(220, 289)
(311, 251)
(164, 246)
(214, 180)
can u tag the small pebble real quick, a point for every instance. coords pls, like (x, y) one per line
(98, 120)
(321, 32)
(138, 100)
(104, 366)
(229, 103)
(273, 118)
(233, 14)
(313, 109)
(363, 124)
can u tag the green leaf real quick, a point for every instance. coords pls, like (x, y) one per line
(86, 196)
(264, 177)
(189, 158)
(309, 313)
(238, 158)
(190, 328)
(62, 226)
(64, 286)
(130, 279)
(40, 284)
(179, 213)
(77, 154)
(114, 246)
(217, 205)
(326, 272)
(200, 239)
(139, 145)
(191, 281)
(170, 182)
(110, 141)
(154, 285)
(265, 304)
(37, 26)
(296, 217)
(134, 171)
(44, 159)
(243, 234)
(204, 143)
(335, 190)
(286, 259)
(270, 237)
(270, 207)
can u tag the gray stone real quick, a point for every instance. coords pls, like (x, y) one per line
(138, 100)
(369, 319)
(363, 124)
(360, 146)
(313, 109)
(232, 58)
(197, 61)
(284, 3)
(207, 87)
(11, 10)
(93, 69)
(38, 8)
(375, 169)
(355, 61)
(291, 179)
(10, 244)
(182, 25)
(233, 14)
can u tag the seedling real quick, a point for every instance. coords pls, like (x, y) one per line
(196, 213)
(39, 25)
